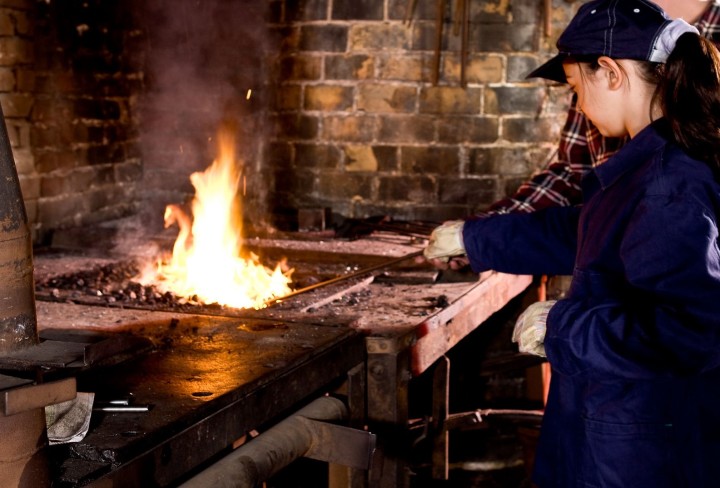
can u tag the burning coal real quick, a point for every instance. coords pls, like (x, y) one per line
(207, 261)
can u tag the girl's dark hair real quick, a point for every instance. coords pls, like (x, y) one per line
(689, 92)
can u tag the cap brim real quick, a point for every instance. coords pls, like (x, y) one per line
(551, 70)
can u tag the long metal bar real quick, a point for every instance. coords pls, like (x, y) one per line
(337, 279)
(409, 9)
(440, 411)
(335, 296)
(547, 17)
(465, 33)
(439, 21)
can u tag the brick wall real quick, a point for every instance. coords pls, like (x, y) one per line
(16, 92)
(111, 104)
(79, 163)
(360, 127)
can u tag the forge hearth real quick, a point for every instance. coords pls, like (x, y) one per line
(114, 283)
(213, 369)
(87, 277)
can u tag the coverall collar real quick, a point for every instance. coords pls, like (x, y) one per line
(633, 154)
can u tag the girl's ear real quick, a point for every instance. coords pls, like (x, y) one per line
(612, 71)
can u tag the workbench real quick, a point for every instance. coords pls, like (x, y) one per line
(207, 382)
(216, 377)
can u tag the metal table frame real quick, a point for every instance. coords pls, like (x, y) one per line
(393, 360)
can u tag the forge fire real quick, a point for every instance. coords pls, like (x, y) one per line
(207, 261)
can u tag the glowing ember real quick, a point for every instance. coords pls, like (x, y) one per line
(206, 262)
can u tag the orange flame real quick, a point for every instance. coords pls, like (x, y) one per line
(206, 261)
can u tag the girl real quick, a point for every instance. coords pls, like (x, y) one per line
(634, 347)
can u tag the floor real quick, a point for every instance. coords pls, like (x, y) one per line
(491, 458)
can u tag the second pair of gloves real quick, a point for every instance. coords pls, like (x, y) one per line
(531, 326)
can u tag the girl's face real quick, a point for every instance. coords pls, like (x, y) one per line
(596, 99)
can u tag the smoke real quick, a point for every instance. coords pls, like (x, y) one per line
(204, 68)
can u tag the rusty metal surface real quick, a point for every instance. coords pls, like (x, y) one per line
(7, 382)
(338, 444)
(18, 325)
(439, 333)
(209, 381)
(25, 398)
(23, 451)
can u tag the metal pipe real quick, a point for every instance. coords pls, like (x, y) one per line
(22, 453)
(18, 319)
(260, 458)
(23, 456)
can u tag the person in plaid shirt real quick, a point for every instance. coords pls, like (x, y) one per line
(581, 146)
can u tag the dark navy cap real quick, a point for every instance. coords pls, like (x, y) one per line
(620, 29)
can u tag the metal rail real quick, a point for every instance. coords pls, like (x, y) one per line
(337, 279)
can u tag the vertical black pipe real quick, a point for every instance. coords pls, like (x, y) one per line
(23, 456)
(18, 319)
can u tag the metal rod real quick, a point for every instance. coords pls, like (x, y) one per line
(440, 409)
(119, 402)
(337, 279)
(406, 230)
(457, 21)
(464, 41)
(123, 408)
(336, 296)
(409, 9)
(439, 21)
(547, 4)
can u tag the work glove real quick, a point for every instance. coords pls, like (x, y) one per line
(446, 241)
(530, 327)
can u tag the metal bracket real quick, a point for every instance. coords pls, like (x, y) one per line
(340, 445)
(443, 422)
(25, 398)
(307, 433)
(61, 349)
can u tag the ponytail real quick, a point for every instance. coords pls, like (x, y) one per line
(690, 95)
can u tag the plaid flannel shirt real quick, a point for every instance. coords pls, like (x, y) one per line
(580, 149)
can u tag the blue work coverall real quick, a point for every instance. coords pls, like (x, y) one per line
(634, 347)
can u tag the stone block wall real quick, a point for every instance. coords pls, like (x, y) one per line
(360, 127)
(111, 105)
(16, 92)
(67, 82)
